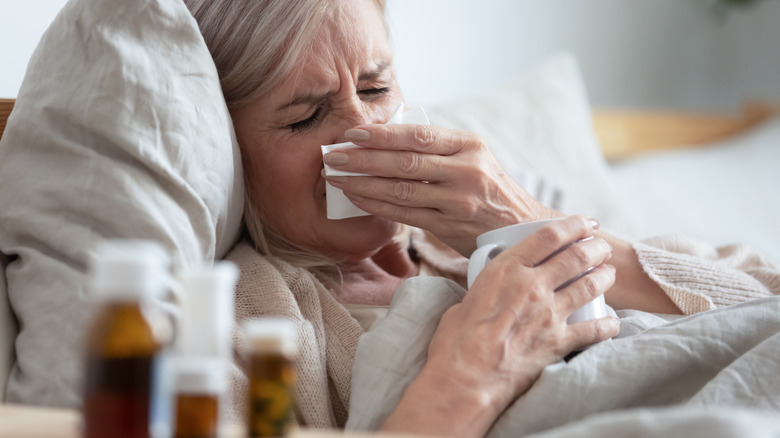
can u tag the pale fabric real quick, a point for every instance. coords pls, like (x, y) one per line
(722, 192)
(698, 276)
(366, 315)
(722, 358)
(8, 331)
(691, 422)
(120, 129)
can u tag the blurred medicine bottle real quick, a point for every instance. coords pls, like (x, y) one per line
(203, 350)
(124, 393)
(273, 348)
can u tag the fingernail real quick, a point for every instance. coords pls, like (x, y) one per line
(595, 224)
(335, 158)
(357, 135)
(336, 179)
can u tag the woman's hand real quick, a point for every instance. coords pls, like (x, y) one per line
(489, 349)
(441, 180)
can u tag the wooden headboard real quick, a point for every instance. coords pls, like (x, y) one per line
(624, 133)
(6, 105)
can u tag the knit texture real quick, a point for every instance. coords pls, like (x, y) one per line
(327, 336)
(699, 277)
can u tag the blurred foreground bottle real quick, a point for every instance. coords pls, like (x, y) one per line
(272, 375)
(124, 390)
(203, 349)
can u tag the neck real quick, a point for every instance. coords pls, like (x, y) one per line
(373, 280)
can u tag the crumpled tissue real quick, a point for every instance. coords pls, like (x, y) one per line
(339, 206)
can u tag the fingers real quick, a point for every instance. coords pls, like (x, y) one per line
(586, 288)
(556, 238)
(419, 138)
(415, 152)
(590, 332)
(398, 192)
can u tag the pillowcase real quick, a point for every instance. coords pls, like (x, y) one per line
(120, 130)
(8, 331)
(722, 192)
(540, 128)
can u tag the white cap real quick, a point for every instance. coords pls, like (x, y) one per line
(207, 311)
(200, 375)
(271, 335)
(129, 269)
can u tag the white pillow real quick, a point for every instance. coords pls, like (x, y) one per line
(120, 129)
(722, 193)
(541, 124)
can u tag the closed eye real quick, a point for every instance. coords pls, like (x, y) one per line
(306, 123)
(374, 91)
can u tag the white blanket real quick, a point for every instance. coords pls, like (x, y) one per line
(718, 371)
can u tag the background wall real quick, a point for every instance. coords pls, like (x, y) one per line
(634, 53)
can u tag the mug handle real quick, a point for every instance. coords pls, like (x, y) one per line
(479, 259)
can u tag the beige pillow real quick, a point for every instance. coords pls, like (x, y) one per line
(8, 331)
(120, 129)
(540, 125)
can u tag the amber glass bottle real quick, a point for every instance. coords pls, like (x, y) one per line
(199, 385)
(123, 382)
(272, 376)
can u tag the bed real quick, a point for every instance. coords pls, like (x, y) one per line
(141, 182)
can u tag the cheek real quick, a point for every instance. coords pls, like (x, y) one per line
(283, 173)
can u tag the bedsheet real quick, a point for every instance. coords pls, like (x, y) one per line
(714, 368)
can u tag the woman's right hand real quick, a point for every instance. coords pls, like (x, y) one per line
(489, 349)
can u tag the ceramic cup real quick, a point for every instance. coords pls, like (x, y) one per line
(492, 243)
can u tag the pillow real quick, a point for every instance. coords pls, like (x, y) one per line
(540, 125)
(7, 331)
(120, 130)
(722, 193)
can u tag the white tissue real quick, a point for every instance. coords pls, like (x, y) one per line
(339, 206)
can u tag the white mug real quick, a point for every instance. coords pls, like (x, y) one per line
(492, 243)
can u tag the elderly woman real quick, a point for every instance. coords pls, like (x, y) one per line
(300, 74)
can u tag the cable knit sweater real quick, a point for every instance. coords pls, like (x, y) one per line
(696, 276)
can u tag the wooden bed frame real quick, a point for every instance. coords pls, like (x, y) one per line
(624, 133)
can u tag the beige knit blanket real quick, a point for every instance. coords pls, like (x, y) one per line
(327, 336)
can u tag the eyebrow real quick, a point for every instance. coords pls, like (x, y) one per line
(313, 98)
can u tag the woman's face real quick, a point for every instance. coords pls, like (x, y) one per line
(346, 79)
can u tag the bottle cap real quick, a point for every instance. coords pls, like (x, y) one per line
(129, 269)
(200, 375)
(207, 311)
(271, 335)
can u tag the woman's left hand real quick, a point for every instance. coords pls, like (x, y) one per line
(441, 180)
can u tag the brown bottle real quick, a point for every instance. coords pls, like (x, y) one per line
(204, 348)
(123, 383)
(272, 376)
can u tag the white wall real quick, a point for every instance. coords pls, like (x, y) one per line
(637, 53)
(634, 53)
(22, 22)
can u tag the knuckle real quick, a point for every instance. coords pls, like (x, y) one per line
(479, 142)
(580, 254)
(409, 161)
(552, 235)
(403, 191)
(599, 330)
(591, 285)
(423, 135)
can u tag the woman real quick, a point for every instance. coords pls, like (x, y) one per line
(297, 75)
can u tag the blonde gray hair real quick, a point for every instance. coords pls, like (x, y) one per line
(256, 44)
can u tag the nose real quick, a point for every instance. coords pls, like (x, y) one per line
(357, 113)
